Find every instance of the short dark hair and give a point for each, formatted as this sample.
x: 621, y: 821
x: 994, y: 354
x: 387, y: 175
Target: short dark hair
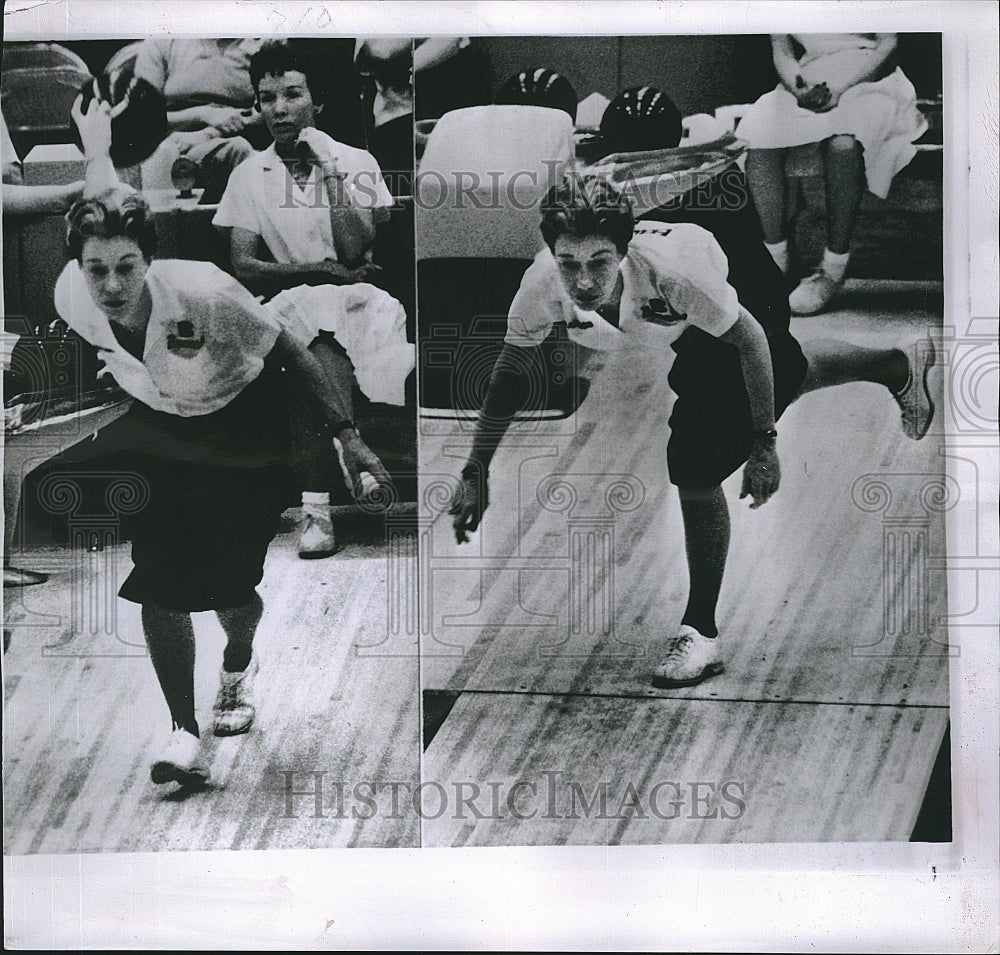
x: 277, y: 57
x: 583, y: 207
x: 118, y: 212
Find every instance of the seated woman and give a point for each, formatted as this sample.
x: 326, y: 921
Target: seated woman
x: 616, y: 287
x: 209, y: 430
x: 845, y: 94
x: 302, y: 217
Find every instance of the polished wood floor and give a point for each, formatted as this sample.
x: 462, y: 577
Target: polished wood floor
x: 541, y: 634
x: 337, y: 710
x: 537, y: 644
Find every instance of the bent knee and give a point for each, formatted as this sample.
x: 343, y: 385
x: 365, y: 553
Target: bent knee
x: 842, y: 142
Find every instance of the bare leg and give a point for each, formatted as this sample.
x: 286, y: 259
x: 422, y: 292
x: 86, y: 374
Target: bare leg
x: 706, y: 537
x: 240, y: 625
x: 339, y: 375
x: 765, y: 172
x: 844, y: 165
x: 170, y: 639
x: 833, y: 362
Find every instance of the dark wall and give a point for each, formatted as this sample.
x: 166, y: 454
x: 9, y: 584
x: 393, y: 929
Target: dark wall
x: 699, y: 73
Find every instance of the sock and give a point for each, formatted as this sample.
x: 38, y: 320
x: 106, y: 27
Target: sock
x: 316, y: 503
x: 779, y: 252
x: 835, y: 263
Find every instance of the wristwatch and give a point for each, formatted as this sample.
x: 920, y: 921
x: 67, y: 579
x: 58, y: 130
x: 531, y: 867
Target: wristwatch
x: 765, y: 434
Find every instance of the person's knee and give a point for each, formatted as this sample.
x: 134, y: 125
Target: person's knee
x: 222, y: 154
x: 699, y: 495
x: 842, y: 143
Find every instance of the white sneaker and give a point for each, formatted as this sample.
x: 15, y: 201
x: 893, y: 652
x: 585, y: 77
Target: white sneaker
x: 915, y: 400
x: 180, y: 762
x: 691, y: 658
x: 233, y: 708
x: 814, y: 293
x: 316, y: 538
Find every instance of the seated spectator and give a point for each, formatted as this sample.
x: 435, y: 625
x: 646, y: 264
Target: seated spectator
x: 206, y: 84
x: 303, y: 213
x: 845, y: 95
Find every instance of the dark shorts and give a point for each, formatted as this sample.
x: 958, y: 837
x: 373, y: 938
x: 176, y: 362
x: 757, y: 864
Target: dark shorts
x: 213, y: 489
x: 200, y: 541
x: 711, y: 428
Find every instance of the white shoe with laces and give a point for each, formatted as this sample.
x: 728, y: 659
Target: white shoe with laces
x: 691, y: 658
x: 915, y: 400
x: 234, y: 709
x: 180, y: 761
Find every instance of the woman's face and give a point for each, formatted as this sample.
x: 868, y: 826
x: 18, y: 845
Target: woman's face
x: 286, y: 104
x: 588, y: 269
x: 115, y: 270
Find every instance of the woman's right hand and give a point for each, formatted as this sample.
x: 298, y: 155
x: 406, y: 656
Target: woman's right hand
x: 226, y: 120
x: 339, y: 274
x: 95, y: 124
x: 470, y: 500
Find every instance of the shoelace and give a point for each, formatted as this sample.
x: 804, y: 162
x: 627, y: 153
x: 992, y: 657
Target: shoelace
x: 679, y: 647
x: 229, y: 694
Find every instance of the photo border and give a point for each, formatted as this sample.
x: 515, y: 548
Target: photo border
x: 823, y: 897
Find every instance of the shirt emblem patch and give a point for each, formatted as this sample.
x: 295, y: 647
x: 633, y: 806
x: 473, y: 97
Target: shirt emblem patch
x: 660, y: 312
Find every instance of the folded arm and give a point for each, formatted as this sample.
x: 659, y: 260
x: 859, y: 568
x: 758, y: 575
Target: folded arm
x: 785, y: 62
x: 249, y: 267
x: 878, y: 65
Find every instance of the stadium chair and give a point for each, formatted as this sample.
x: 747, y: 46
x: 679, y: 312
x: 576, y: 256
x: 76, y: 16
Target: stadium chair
x: 483, y: 174
x: 44, y: 56
x: 37, y: 101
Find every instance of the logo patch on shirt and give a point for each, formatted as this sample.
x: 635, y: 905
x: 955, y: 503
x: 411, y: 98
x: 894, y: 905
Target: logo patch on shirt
x: 185, y: 342
x: 660, y: 312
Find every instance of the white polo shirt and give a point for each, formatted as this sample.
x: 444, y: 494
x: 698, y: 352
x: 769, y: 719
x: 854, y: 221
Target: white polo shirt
x: 294, y: 221
x: 232, y: 335
x: 673, y: 276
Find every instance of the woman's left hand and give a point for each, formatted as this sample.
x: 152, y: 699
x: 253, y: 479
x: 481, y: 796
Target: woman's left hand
x: 762, y: 474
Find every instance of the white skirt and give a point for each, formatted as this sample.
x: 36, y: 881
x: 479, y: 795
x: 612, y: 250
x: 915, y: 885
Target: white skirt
x: 368, y: 323
x: 882, y: 116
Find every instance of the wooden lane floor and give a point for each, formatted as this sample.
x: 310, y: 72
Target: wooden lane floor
x: 337, y: 710
x: 834, y: 595
x: 525, y: 769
